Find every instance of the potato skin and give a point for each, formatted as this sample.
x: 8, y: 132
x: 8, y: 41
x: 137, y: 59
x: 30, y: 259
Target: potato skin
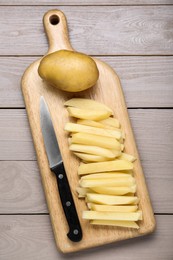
x: 68, y: 70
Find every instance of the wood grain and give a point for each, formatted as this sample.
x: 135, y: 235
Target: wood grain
x: 143, y: 79
x: 30, y: 237
x: 22, y: 192
x: 15, y: 138
x: 134, y: 30
x: 21, y: 188
x: 107, y: 90
x: 85, y: 2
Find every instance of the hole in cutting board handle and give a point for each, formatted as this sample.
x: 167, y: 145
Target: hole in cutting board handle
x: 54, y: 19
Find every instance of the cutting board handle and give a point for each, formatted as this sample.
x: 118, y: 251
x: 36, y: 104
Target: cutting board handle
x: 55, y: 25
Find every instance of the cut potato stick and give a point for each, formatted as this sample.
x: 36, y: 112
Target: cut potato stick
x: 96, y: 140
x: 89, y: 104
x: 116, y: 223
x: 119, y: 182
x: 96, y: 207
x: 114, y: 190
x: 92, y: 150
x: 90, y: 123
x: 108, y: 175
x: 86, y: 200
x: 121, y: 140
x: 89, y: 205
x: 88, y: 114
x: 82, y: 191
x: 122, y: 147
x: 97, y: 124
x: 76, y: 128
x: 119, y: 130
x: 99, y: 215
x: 116, y: 165
x: 128, y: 157
x: 111, y: 122
x: 91, y: 157
x: 111, y: 200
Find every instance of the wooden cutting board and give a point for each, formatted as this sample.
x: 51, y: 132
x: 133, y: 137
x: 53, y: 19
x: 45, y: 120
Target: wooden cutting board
x: 107, y: 90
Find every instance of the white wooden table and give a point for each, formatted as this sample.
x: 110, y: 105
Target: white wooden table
x: 136, y: 38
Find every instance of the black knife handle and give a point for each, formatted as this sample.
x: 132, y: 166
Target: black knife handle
x: 75, y: 231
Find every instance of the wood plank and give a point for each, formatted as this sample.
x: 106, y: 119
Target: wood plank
x: 30, y: 237
x: 84, y: 2
x: 21, y: 188
x: 15, y: 138
x: 137, y: 30
x: 143, y: 79
x: 151, y: 129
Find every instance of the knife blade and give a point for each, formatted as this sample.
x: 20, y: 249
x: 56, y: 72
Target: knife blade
x: 56, y: 165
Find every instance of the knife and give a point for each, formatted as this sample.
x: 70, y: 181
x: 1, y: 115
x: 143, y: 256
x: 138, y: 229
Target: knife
x: 56, y: 165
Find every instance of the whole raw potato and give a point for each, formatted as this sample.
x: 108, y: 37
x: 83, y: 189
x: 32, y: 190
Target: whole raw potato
x: 68, y: 70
